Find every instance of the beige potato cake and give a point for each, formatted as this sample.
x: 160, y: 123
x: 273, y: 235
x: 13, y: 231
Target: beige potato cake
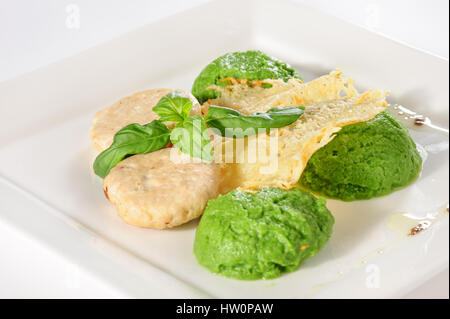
x: 151, y: 190
x: 136, y: 108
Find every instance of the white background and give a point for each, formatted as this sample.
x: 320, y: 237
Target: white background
x: 34, y: 33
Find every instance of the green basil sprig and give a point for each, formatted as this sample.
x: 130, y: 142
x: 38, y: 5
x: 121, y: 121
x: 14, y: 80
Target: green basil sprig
x: 190, y: 135
x: 132, y: 139
x: 223, y: 118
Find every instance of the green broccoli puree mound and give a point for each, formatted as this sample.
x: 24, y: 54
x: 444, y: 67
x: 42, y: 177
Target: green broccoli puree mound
x: 364, y: 160
x: 261, y: 235
x: 250, y: 65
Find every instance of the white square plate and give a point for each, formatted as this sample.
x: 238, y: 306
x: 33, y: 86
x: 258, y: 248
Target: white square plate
x: 48, y: 189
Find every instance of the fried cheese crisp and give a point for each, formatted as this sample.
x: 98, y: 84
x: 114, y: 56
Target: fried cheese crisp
x: 277, y: 159
x: 294, y: 92
x: 152, y: 190
x: 136, y: 108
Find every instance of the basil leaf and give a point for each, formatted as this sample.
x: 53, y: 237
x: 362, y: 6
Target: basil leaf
x: 192, y: 138
x: 132, y: 139
x: 174, y: 107
x: 222, y: 118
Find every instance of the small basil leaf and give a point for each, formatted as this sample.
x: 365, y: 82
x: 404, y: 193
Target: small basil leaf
x: 174, y: 107
x: 192, y: 138
x: 132, y: 139
x: 222, y: 118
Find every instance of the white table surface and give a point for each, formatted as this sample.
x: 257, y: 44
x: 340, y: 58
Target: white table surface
x: 37, y: 33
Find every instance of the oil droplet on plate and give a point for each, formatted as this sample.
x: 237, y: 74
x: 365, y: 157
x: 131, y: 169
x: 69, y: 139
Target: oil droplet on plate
x: 412, y: 119
x: 409, y: 225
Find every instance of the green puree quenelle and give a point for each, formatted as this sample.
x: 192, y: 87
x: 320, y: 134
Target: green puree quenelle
x: 364, y: 160
x: 261, y: 235
x: 249, y: 65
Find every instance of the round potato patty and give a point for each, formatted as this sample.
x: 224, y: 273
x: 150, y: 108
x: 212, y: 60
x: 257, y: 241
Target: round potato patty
x: 136, y: 108
x: 151, y: 190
